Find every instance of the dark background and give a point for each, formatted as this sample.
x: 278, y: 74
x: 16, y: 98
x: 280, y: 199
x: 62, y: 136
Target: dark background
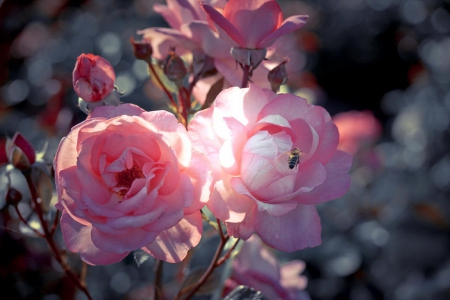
x: 388, y: 238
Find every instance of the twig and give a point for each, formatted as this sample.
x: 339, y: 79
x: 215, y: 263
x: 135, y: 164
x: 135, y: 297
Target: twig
x: 227, y: 255
x: 158, y: 279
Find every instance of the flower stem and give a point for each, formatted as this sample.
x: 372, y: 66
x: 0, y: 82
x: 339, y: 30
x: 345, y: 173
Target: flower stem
x: 207, y: 273
x: 227, y: 255
x: 246, y: 76
x: 158, y: 279
x: 49, y: 237
x: 172, y: 101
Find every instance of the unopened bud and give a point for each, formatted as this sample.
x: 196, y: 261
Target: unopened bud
x: 278, y: 75
x: 174, y: 68
x: 113, y: 99
x: 20, y: 152
x: 13, y: 196
x: 142, y: 50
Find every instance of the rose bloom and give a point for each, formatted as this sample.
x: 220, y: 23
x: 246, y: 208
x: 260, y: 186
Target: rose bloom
x: 257, y: 268
x: 357, y: 129
x: 127, y: 179
x: 93, y: 77
x: 252, y: 24
x: 248, y: 135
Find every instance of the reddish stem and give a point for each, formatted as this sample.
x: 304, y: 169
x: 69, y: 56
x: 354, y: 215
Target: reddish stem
x: 207, y: 273
x: 26, y: 222
x: 172, y: 101
x: 246, y: 76
x: 48, y: 235
x: 227, y: 255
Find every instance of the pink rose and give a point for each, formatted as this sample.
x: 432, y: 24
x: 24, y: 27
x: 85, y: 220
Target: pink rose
x: 248, y: 135
x: 127, y: 179
x: 93, y: 77
x: 257, y: 268
x: 356, y: 129
x: 252, y: 24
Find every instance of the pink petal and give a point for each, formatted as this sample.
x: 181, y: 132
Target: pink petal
x: 77, y: 238
x: 172, y: 17
x: 227, y: 30
x: 230, y: 152
x: 127, y: 222
x: 199, y: 172
x: 212, y: 45
x: 128, y: 240
x: 174, y: 132
x: 290, y: 275
x: 294, y: 231
x: 162, y: 39
x: 226, y: 204
x: 329, y: 140
x: 336, y: 183
x: 254, y: 19
x: 289, y: 25
x: 173, y: 244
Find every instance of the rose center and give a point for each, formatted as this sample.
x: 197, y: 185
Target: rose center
x: 125, y: 179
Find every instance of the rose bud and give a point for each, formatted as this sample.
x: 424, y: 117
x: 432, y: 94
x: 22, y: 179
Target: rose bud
x: 13, y: 196
x: 278, y: 75
x: 174, y: 68
x: 142, y: 50
x: 20, y: 152
x: 93, y: 77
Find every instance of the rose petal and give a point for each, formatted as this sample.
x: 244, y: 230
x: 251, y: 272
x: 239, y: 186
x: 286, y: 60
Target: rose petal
x: 135, y: 238
x: 294, y: 231
x: 337, y: 181
x: 289, y: 25
x: 78, y: 239
x: 172, y: 244
x: 265, y: 15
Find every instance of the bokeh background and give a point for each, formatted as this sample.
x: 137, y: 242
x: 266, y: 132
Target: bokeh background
x: 388, y: 238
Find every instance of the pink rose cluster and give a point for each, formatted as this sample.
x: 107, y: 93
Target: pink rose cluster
x: 130, y: 179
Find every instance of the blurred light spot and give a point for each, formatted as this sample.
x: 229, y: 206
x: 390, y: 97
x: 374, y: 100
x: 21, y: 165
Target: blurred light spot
x: 435, y: 54
x: 372, y: 231
x: 109, y: 43
x: 15, y: 92
x: 140, y: 69
x: 393, y: 101
x: 378, y: 4
x: 378, y: 268
x: 29, y: 127
x: 126, y: 83
x: 408, y: 129
x: 52, y: 87
x: 345, y: 264
x: 413, y: 159
x: 438, y: 118
x: 440, y: 173
x: 80, y: 45
x: 362, y: 176
x: 443, y: 277
x: 57, y: 50
x: 39, y: 71
x: 440, y: 19
x: 414, y: 11
x: 84, y: 24
x: 120, y: 282
x: 32, y: 38
x: 51, y: 297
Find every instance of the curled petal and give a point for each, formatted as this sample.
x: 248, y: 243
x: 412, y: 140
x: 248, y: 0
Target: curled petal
x: 294, y: 231
x: 173, y: 244
x: 78, y: 239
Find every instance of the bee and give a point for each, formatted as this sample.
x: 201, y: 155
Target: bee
x: 294, y: 158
